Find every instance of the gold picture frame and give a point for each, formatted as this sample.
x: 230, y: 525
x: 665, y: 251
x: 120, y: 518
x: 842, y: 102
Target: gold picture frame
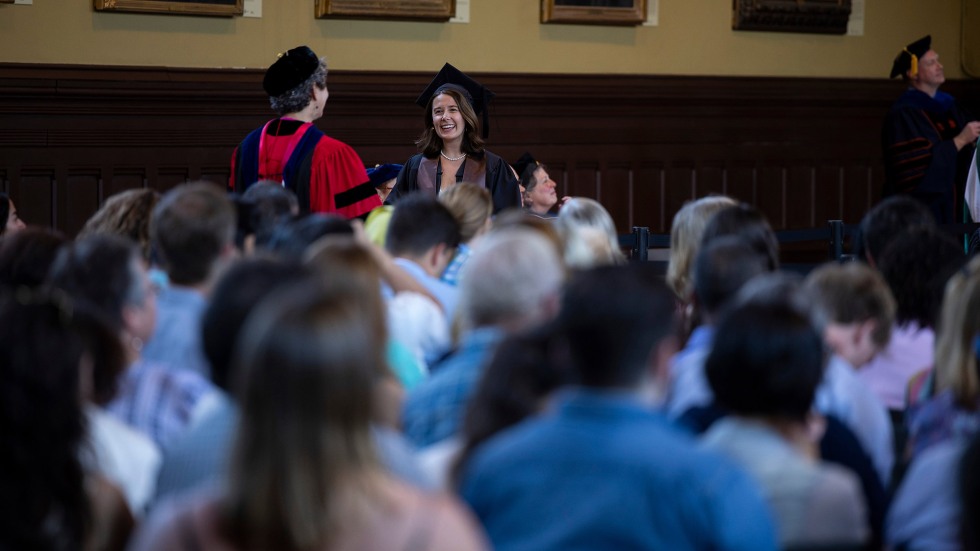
x: 411, y: 10
x: 794, y: 16
x: 594, y: 12
x: 221, y: 8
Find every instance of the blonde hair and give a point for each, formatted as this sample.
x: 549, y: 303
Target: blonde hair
x: 126, y: 213
x: 471, y: 205
x: 590, y: 234
x: 685, y: 238
x: 959, y: 325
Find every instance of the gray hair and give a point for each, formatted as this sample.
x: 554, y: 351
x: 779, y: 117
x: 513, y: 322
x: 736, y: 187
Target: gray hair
x: 509, y: 279
x: 299, y: 97
x: 590, y: 234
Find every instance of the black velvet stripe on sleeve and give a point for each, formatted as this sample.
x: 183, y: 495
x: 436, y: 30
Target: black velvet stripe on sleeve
x: 353, y: 195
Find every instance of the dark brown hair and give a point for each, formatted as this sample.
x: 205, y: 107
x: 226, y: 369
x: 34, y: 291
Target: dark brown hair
x: 430, y: 143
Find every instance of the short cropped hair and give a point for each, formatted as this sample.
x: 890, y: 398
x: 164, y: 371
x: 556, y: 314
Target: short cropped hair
x: 722, y: 267
x: 509, y: 275
x: 767, y: 359
x: 916, y: 264
x: 613, y: 318
x: 191, y: 226
x: 853, y: 293
x: 749, y: 224
x: 886, y: 221
x: 419, y: 223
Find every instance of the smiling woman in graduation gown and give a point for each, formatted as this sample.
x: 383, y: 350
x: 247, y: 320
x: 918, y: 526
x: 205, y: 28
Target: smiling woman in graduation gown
x: 326, y: 174
x: 452, y: 144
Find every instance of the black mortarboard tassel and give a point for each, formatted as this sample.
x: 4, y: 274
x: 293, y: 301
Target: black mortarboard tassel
x: 452, y: 78
x: 290, y: 70
x: 908, y: 58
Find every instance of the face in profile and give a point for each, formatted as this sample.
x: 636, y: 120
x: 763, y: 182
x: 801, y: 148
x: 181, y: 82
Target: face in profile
x: 542, y: 195
x: 385, y: 188
x: 14, y: 223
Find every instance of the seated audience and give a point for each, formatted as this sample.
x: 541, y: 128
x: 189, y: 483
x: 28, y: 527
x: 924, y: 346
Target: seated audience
x: 270, y: 205
x: 472, y: 206
x: 107, y: 272
x: 292, y: 238
x: 765, y: 365
x: 26, y: 256
x: 604, y: 470
x: 589, y: 234
x: 686, y: 230
x: 916, y: 265
x: 126, y: 213
x: 193, y: 229
x: 510, y: 284
x: 50, y: 499
x: 423, y: 236
x: 856, y: 310
x: 721, y: 268
x: 948, y: 405
x: 304, y: 473
x: 884, y: 222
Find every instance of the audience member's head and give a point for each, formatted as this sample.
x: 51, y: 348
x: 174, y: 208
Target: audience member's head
x: 193, y: 227
x: 750, y: 225
x: 886, y: 221
x: 619, y: 328
x: 303, y: 455
x: 126, y: 213
x: 519, y: 218
x: 766, y: 361
x: 26, y: 256
x: 292, y: 239
x: 916, y: 264
x: 423, y: 230
x: 685, y: 239
x: 41, y: 351
x: 512, y: 281
x: 472, y: 206
x: 235, y: 295
x: 590, y: 234
x: 271, y: 205
x: 721, y: 268
x: 8, y: 215
x: 855, y: 307
x: 107, y: 273
x: 957, y: 337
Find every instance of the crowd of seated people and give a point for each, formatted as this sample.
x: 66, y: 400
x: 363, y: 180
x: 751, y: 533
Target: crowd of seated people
x: 199, y: 370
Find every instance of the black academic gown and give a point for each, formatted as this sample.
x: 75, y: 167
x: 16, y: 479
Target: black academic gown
x: 425, y: 175
x: 919, y: 153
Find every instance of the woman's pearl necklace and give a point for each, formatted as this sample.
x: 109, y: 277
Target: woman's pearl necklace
x: 448, y: 158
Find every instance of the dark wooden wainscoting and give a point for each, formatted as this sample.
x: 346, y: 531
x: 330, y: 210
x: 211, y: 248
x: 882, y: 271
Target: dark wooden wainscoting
x: 802, y: 150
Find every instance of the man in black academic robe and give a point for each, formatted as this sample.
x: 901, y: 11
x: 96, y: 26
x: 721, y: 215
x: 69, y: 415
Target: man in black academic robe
x: 927, y: 139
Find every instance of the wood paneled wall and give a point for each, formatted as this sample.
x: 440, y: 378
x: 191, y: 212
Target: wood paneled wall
x: 802, y: 150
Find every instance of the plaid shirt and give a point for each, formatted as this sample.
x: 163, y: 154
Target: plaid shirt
x: 434, y: 409
x: 160, y: 401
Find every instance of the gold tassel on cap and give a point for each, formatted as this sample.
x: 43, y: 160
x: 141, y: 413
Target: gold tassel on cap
x: 914, y: 66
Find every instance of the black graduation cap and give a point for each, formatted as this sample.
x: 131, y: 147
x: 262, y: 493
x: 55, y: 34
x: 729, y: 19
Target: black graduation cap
x: 290, y: 70
x: 382, y: 173
x: 451, y: 78
x: 525, y: 161
x: 908, y: 58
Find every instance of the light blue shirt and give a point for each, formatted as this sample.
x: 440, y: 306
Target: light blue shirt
x: 176, y: 341
x: 446, y: 294
x: 603, y: 472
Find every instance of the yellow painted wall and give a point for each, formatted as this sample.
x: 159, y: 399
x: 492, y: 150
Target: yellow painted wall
x: 694, y: 37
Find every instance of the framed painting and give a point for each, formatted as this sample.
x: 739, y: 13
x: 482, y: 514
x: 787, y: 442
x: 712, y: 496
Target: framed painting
x: 6, y: 1
x: 795, y: 16
x: 417, y: 10
x: 594, y: 12
x: 226, y: 8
